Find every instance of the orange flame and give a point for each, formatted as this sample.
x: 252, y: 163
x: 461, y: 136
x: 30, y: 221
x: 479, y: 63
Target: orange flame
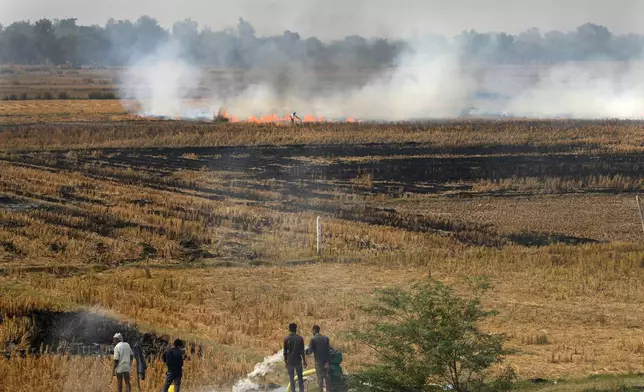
x: 275, y: 119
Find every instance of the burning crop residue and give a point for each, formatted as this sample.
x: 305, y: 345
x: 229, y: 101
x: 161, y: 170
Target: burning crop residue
x: 275, y: 119
x: 272, y: 118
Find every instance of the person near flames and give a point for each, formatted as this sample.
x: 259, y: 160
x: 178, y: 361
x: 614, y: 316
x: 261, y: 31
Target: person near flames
x: 173, y: 358
x: 320, y: 347
x: 294, y: 356
x: 293, y: 117
x: 122, y: 363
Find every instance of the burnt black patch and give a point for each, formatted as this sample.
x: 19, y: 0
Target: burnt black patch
x: 82, y: 333
x: 544, y: 239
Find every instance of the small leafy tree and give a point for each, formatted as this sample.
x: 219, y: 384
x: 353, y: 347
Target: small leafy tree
x: 426, y: 337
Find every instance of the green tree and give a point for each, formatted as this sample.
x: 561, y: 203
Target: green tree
x: 186, y: 33
x: 18, y: 44
x: 425, y: 337
x: 149, y: 34
x: 47, y: 45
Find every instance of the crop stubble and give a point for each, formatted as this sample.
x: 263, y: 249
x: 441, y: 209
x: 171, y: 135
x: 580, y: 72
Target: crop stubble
x: 144, y: 213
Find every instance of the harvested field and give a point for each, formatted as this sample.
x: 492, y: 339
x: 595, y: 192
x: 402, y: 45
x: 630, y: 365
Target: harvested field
x: 207, y: 231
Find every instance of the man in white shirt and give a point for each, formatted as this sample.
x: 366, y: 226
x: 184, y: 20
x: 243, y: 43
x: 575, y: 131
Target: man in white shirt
x: 122, y: 362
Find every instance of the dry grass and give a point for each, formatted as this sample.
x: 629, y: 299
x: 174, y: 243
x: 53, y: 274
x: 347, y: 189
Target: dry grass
x: 24, y: 112
x: 69, y: 218
x: 534, y: 185
x: 115, y: 127
x: 41, y: 82
x: 79, y: 374
x: 588, y: 307
x: 214, y: 243
x: 592, y: 216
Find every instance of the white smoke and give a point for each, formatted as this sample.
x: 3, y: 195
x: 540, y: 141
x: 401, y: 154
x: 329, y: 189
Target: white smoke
x: 424, y: 85
x: 420, y: 89
x: 586, y: 92
x: 162, y: 84
x: 425, y: 82
x: 261, y: 369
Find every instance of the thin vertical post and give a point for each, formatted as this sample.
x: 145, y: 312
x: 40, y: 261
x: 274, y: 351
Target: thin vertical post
x: 319, y: 236
x: 639, y: 206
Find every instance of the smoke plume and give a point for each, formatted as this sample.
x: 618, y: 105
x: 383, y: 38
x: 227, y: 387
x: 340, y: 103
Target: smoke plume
x: 425, y: 81
x: 421, y: 84
x: 261, y: 369
x: 586, y: 92
x: 161, y: 84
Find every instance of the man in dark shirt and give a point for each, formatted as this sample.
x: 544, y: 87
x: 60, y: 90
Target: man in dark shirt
x: 321, y: 348
x: 173, y: 358
x: 294, y: 357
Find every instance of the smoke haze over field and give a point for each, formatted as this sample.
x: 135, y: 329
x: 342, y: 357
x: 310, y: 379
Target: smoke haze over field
x: 583, y: 92
x: 425, y: 81
x: 435, y: 72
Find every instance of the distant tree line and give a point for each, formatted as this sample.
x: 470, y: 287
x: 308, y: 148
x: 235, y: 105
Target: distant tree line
x: 64, y: 42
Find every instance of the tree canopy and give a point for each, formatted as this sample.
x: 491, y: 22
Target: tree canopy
x: 120, y: 42
x: 424, y: 338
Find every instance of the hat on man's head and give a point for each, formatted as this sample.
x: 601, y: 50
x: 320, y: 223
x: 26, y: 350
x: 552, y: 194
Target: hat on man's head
x: 118, y: 336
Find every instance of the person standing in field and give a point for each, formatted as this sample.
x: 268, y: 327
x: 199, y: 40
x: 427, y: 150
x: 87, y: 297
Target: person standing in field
x: 122, y: 363
x: 320, y: 347
x: 294, y: 357
x: 293, y: 117
x: 173, y: 358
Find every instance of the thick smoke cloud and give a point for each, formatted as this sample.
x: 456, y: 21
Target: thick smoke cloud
x: 530, y: 74
x: 425, y: 81
x: 161, y: 83
x: 429, y: 78
x: 587, y: 92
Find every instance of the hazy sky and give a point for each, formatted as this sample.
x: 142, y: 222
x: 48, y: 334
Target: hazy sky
x: 337, y: 18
